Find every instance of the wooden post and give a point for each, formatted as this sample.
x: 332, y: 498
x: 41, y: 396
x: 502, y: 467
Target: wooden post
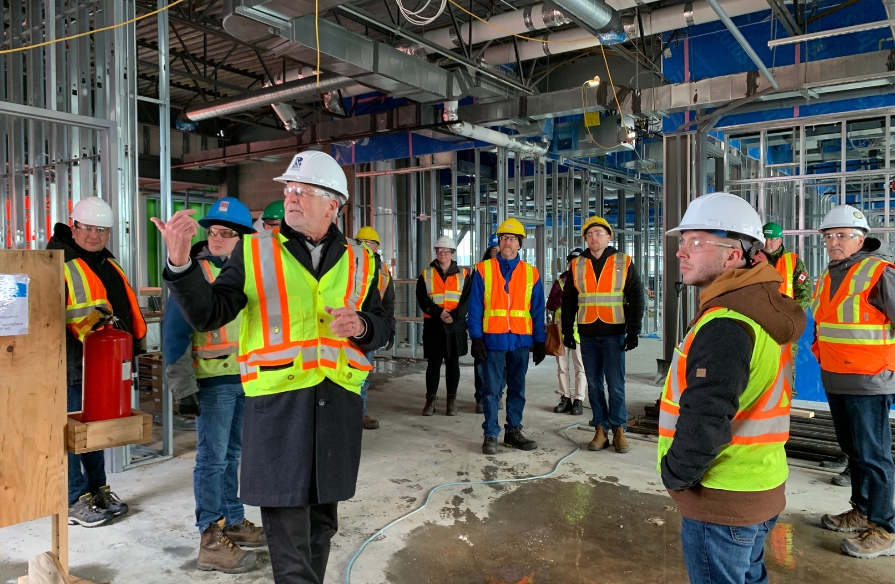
x: 33, y: 463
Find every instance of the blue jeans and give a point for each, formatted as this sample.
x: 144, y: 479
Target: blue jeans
x: 863, y: 432
x: 722, y: 554
x: 219, y: 433
x: 363, y: 388
x: 605, y: 356
x: 504, y: 367
x: 93, y: 475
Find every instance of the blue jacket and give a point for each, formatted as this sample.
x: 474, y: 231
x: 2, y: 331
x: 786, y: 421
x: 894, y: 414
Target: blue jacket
x: 505, y: 341
x: 177, y: 346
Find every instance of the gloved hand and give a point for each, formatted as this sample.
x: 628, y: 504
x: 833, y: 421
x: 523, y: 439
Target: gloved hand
x: 391, y: 342
x: 539, y: 351
x: 478, y: 350
x: 631, y: 341
x: 569, y: 342
x: 188, y: 406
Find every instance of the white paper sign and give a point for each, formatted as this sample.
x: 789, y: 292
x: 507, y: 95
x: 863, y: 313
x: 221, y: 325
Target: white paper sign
x: 13, y: 304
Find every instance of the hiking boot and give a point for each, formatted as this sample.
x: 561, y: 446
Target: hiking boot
x: 109, y: 501
x: 85, y: 513
x: 370, y: 423
x: 565, y: 405
x: 600, y: 440
x: 451, y: 409
x: 618, y: 440
x: 246, y: 533
x: 218, y: 552
x: 429, y: 409
x: 872, y: 543
x: 851, y: 520
x: 843, y: 479
x: 514, y: 439
x: 577, y: 408
x: 478, y: 407
x: 489, y: 446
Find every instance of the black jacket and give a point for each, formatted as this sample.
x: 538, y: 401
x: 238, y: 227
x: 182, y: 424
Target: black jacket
x: 388, y: 297
x: 116, y: 289
x: 440, y: 339
x: 299, y: 447
x: 634, y: 303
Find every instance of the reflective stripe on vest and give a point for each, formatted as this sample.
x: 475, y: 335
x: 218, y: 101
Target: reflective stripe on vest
x: 786, y: 265
x: 754, y: 459
x: 285, y: 340
x: 507, y: 311
x: 385, y: 276
x: 214, y: 352
x: 444, y: 293
x: 86, y: 292
x: 853, y: 336
x: 602, y: 299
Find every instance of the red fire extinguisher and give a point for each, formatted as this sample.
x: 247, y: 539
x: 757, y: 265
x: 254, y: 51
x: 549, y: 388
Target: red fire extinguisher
x: 108, y: 354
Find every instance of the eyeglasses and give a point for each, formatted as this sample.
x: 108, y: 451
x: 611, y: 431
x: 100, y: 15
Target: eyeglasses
x: 443, y: 250
x: 595, y: 233
x: 225, y: 233
x: 370, y: 242
x: 508, y: 237
x: 307, y: 191
x: 697, y: 245
x: 829, y: 237
x: 92, y: 229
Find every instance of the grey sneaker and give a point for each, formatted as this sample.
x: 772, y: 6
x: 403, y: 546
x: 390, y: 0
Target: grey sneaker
x: 85, y: 513
x: 105, y: 499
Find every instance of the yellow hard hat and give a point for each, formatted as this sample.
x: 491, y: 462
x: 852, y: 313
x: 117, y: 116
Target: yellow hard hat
x: 367, y: 232
x: 512, y: 226
x: 595, y: 220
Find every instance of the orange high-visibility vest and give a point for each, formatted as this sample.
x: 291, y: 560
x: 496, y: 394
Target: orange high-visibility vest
x: 86, y: 291
x: 444, y: 293
x: 786, y: 265
x: 852, y: 335
x: 507, y: 311
x: 602, y: 299
x: 754, y: 459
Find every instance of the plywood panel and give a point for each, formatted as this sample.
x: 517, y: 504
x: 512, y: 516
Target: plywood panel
x: 32, y: 395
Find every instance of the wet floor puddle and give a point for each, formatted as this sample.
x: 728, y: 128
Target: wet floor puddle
x: 552, y: 531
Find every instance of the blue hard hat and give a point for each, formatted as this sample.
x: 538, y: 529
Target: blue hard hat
x: 231, y: 213
x: 493, y: 241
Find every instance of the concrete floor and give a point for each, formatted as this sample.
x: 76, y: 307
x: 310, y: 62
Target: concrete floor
x: 603, y: 517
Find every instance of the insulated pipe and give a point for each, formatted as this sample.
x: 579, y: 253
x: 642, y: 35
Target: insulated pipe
x: 523, y: 21
x: 743, y: 42
x: 291, y: 120
x: 487, y: 134
x: 595, y: 16
x: 266, y: 96
x: 661, y: 20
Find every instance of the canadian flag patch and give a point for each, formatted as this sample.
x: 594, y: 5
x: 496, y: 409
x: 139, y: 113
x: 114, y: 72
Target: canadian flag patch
x: 802, y: 277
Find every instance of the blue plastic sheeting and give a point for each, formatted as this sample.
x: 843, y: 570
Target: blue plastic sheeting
x: 392, y: 146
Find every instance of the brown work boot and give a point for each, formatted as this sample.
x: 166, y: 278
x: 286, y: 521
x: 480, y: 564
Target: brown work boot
x: 431, y: 401
x: 851, y: 520
x: 600, y: 440
x: 619, y: 441
x: 451, y: 406
x: 872, y: 543
x: 218, y: 552
x: 370, y: 423
x: 246, y: 533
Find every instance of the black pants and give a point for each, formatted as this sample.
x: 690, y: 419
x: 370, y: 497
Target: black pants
x: 298, y: 539
x: 451, y: 374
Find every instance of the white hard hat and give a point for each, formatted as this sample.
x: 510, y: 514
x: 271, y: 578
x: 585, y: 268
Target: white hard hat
x: 445, y: 241
x: 92, y: 211
x: 844, y: 216
x: 318, y: 169
x: 721, y: 212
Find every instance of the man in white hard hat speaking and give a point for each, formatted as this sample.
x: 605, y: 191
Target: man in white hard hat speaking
x: 854, y: 308
x: 93, y: 279
x: 442, y: 292
x: 310, y: 310
x: 724, y: 411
